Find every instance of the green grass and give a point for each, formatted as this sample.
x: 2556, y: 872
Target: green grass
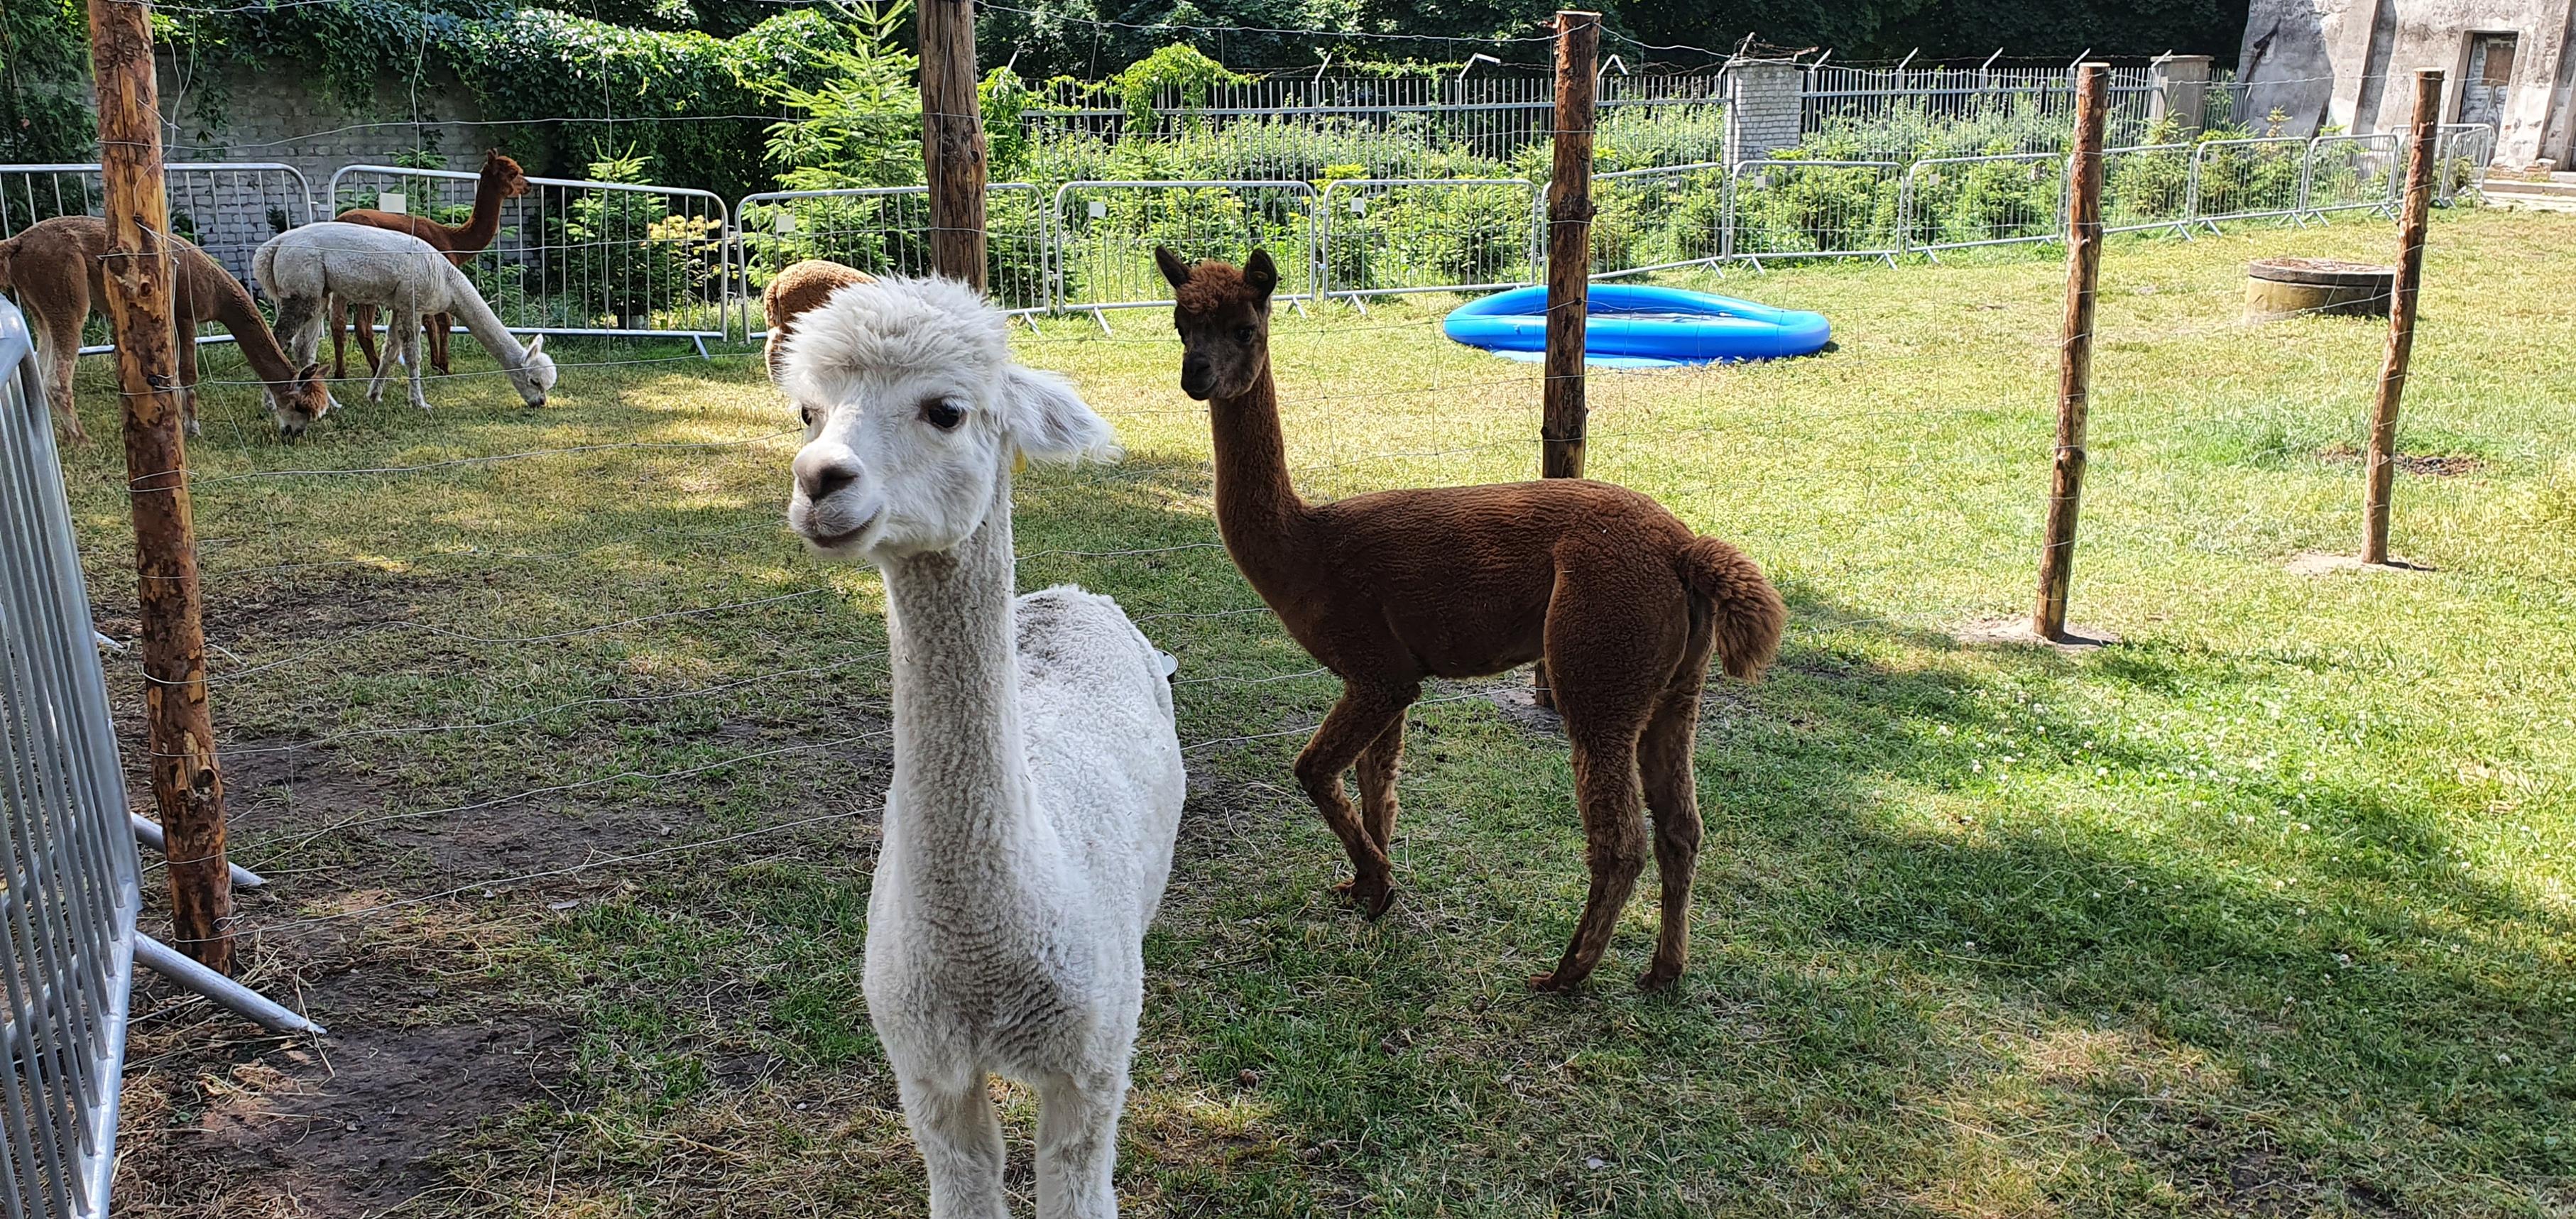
x: 2270, y: 908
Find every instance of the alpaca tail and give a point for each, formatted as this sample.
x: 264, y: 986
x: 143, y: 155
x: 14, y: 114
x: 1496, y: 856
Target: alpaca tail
x: 1749, y: 611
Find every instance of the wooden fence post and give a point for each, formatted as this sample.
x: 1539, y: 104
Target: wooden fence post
x: 187, y: 788
x: 952, y: 139
x: 1569, y: 262
x: 2380, y: 467
x: 2075, y: 352
x: 1569, y: 245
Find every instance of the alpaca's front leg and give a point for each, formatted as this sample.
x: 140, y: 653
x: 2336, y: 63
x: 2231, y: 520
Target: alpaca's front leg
x: 961, y: 1145
x: 1078, y: 1146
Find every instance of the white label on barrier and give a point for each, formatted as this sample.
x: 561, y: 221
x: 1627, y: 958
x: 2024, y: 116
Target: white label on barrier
x: 1099, y: 209
x: 392, y: 201
x: 786, y: 223
x: 1359, y: 206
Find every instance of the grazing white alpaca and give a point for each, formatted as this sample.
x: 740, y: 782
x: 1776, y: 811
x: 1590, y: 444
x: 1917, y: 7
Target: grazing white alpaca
x: 302, y: 268
x: 1037, y: 773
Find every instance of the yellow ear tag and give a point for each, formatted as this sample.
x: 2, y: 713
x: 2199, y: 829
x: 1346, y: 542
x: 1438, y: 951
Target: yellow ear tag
x: 1019, y: 462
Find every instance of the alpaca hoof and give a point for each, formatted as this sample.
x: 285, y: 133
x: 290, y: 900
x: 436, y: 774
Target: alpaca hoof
x: 1546, y: 983
x: 1373, y: 898
x: 1658, y: 978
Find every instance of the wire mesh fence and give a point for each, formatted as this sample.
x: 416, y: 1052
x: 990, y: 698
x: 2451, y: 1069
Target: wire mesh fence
x: 2461, y: 152
x: 573, y: 256
x: 2039, y: 100
x: 69, y: 885
x: 1384, y: 236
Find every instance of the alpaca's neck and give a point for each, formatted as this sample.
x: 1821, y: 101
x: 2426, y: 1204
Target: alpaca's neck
x: 961, y: 809
x: 222, y: 297
x: 485, y: 224
x: 468, y: 305
x: 1257, y: 508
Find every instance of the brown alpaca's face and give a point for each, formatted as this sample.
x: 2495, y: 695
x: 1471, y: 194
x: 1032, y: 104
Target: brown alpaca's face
x: 297, y: 404
x: 1223, y: 315
x: 501, y: 169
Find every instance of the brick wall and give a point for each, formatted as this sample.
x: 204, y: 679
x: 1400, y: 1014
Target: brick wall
x: 1764, y: 106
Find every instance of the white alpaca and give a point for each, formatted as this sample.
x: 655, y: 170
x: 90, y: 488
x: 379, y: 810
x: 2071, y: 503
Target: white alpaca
x: 1037, y: 772
x: 302, y: 268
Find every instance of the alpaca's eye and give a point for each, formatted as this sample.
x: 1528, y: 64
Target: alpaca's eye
x: 807, y: 410
x: 1243, y: 334
x: 942, y: 413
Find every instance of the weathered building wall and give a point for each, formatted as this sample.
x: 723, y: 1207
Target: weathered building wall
x: 2351, y: 64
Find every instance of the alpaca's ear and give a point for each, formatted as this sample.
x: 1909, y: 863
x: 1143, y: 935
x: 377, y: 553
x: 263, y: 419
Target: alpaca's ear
x: 536, y: 344
x: 1047, y: 421
x: 1173, y: 268
x: 1260, y: 274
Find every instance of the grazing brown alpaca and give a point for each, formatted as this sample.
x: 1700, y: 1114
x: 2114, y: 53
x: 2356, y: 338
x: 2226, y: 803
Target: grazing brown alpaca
x: 1623, y: 602
x: 802, y: 286
x: 55, y: 270
x: 501, y: 180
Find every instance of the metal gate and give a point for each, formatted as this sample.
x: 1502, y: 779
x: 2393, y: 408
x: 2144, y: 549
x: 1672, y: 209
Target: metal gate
x: 2246, y: 179
x: 2460, y: 155
x: 2351, y: 173
x: 885, y: 230
x: 2146, y: 187
x: 68, y: 879
x: 1658, y: 219
x: 1105, y: 234
x: 1957, y: 203
x: 228, y: 208
x: 1383, y: 236
x: 575, y: 256
x: 1793, y: 208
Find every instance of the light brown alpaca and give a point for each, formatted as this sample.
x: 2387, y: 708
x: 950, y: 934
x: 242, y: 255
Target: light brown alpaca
x: 800, y: 287
x: 55, y: 269
x: 501, y: 180
x: 1619, y: 598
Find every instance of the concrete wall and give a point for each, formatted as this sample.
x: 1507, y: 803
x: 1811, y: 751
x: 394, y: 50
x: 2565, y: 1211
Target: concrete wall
x: 273, y: 114
x: 2351, y: 63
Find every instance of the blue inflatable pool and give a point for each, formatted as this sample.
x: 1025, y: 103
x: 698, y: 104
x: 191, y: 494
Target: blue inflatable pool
x: 1639, y: 325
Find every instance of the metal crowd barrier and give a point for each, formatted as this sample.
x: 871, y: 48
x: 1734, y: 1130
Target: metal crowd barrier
x: 573, y: 256
x: 69, y: 874
x: 228, y: 208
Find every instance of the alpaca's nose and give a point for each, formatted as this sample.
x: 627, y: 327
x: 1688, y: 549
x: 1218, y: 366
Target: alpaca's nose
x: 821, y: 471
x: 1196, y: 380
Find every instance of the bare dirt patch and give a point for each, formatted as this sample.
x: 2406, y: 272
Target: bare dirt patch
x: 2430, y: 465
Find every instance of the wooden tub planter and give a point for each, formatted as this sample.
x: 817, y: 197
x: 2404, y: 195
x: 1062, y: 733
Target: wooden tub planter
x: 2288, y: 287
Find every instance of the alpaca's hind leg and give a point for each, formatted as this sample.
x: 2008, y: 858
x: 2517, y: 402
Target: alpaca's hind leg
x: 1664, y: 763
x: 1078, y: 1146
x: 961, y: 1145
x: 437, y: 326
x: 299, y: 327
x: 1614, y: 846
x: 58, y: 352
x: 409, y: 324
x: 362, y: 319
x: 1376, y: 770
x: 339, y: 339
x: 1672, y: 797
x: 1363, y: 714
x: 384, y: 368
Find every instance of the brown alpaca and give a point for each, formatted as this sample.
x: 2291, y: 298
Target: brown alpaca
x: 800, y: 287
x: 501, y: 180
x: 56, y: 271
x: 1618, y: 597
